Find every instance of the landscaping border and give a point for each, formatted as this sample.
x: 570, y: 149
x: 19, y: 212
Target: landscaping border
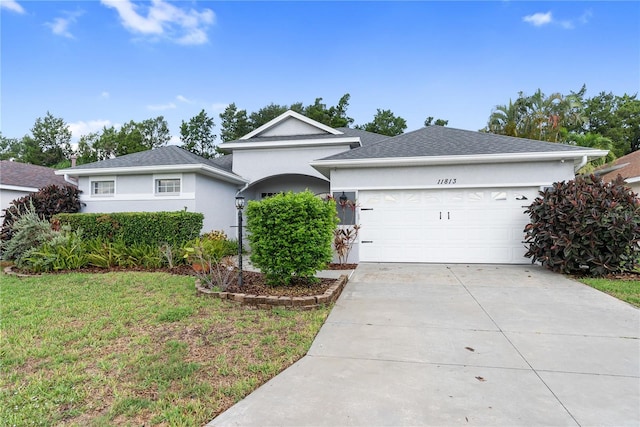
x: 270, y: 301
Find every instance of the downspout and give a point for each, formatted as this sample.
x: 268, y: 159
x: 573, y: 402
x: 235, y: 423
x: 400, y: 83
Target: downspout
x: 581, y: 164
x: 70, y: 180
x: 242, y: 189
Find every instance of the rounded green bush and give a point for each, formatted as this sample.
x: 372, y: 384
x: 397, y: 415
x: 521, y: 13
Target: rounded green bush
x: 585, y: 226
x: 290, y: 235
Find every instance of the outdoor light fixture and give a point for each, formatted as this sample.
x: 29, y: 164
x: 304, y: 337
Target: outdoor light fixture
x: 239, y: 206
x: 239, y: 202
x: 343, y: 199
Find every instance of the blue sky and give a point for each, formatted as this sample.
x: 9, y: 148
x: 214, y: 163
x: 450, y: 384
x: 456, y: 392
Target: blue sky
x: 97, y: 63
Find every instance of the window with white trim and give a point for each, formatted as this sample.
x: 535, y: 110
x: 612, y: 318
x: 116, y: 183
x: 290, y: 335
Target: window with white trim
x: 168, y: 186
x: 103, y: 188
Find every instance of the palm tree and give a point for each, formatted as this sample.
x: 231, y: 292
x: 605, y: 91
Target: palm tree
x: 505, y: 119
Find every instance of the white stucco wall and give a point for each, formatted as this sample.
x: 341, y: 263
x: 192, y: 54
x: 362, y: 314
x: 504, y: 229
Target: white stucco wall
x: 257, y: 164
x: 465, y: 176
x: 216, y: 200
x: 8, y: 196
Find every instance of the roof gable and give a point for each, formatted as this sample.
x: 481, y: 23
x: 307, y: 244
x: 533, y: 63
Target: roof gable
x: 290, y: 124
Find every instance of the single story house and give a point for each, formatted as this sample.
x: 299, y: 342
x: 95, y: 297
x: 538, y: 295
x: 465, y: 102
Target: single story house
x: 436, y: 194
x: 627, y: 166
x: 20, y: 179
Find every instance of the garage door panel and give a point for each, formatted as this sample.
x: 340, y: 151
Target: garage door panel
x: 458, y: 225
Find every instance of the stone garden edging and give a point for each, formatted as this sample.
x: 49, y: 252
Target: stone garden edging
x: 270, y: 301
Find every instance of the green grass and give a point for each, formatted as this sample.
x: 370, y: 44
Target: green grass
x: 134, y: 349
x: 625, y: 290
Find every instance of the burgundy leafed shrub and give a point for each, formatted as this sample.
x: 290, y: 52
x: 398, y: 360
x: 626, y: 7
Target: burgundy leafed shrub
x: 585, y: 226
x: 47, y: 202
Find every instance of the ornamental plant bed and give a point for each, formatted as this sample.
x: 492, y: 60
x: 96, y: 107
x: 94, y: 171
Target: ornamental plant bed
x: 254, y: 283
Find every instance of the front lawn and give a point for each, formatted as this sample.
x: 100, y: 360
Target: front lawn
x: 625, y: 290
x: 135, y: 349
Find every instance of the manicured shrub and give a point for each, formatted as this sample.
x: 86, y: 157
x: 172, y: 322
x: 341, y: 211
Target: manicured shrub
x: 585, y: 226
x: 290, y: 235
x: 46, y: 202
x: 129, y: 228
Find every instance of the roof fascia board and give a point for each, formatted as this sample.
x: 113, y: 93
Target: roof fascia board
x: 286, y: 115
x: 143, y: 170
x: 286, y: 144
x: 465, y: 159
x: 18, y: 188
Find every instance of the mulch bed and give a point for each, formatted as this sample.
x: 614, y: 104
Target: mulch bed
x: 254, y: 284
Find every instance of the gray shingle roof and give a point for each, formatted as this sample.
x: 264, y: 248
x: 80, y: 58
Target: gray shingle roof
x: 161, y: 156
x: 445, y: 141
x: 224, y: 162
x: 366, y: 137
x: 27, y: 175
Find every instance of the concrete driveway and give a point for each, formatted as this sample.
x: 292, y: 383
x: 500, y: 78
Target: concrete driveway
x: 439, y: 345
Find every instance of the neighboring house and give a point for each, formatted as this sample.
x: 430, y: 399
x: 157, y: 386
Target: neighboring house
x: 627, y: 166
x: 19, y: 179
x: 433, y: 195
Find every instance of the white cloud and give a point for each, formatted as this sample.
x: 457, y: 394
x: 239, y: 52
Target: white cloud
x: 538, y: 19
x: 83, y: 128
x: 163, y: 19
x: 105, y: 95
x: 219, y: 107
x: 11, y: 5
x: 60, y: 26
x: 184, y: 99
x: 585, y: 17
x: 161, y: 107
x: 175, y: 140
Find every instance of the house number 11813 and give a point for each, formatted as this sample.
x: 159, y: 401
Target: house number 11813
x: 447, y: 181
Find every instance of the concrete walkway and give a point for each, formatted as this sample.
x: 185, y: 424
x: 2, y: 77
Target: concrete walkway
x: 440, y: 345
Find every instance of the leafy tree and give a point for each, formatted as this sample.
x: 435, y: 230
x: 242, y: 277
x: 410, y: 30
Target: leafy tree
x: 9, y: 147
x: 234, y: 123
x: 87, y: 152
x: 334, y: 116
x: 154, y: 132
x: 129, y: 139
x: 197, y: 135
x: 385, y: 123
x: 614, y: 117
x: 48, y: 144
x: 557, y: 117
x: 439, y: 122
x: 592, y: 140
x: 268, y: 113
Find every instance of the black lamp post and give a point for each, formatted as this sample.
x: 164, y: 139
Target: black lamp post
x: 239, y: 206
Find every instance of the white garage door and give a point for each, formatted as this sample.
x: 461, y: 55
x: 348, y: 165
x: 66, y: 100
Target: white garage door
x: 456, y: 225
